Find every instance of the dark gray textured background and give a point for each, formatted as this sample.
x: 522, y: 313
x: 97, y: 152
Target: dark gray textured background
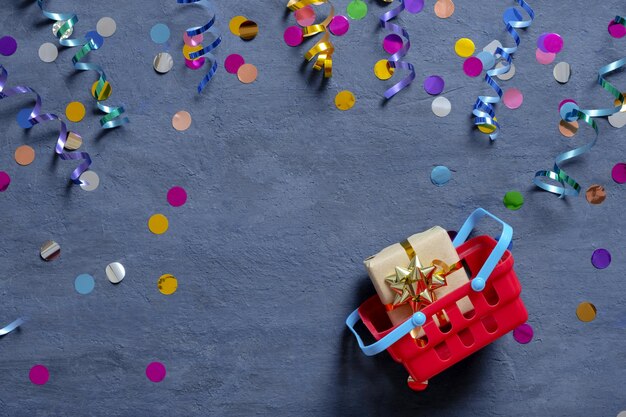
x: 287, y: 196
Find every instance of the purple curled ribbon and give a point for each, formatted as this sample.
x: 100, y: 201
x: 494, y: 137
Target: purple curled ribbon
x: 395, y: 59
x: 36, y: 117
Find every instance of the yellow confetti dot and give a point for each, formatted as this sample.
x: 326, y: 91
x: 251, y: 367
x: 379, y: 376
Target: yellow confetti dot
x: 191, y: 49
x: 158, y: 224
x: 488, y: 129
x: 234, y: 24
x: 75, y: 111
x: 167, y: 284
x: 105, y: 91
x: 344, y: 100
x: 383, y: 70
x: 464, y: 47
x: 586, y: 311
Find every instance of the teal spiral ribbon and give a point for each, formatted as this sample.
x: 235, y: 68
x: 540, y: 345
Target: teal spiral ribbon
x: 36, y: 117
x: 194, y: 31
x: 574, y: 113
x: 483, y: 110
x: 65, y: 28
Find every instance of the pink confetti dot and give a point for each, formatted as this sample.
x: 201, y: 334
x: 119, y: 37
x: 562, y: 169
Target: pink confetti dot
x: 523, y: 334
x: 155, y: 371
x: 194, y: 64
x: 619, y: 173
x: 513, y: 98
x: 472, y: 66
x: 39, y: 375
x: 392, y: 43
x: 553, y: 43
x: 339, y: 25
x: 293, y: 36
x: 177, y: 196
x: 5, y: 180
x: 617, y: 30
x: 233, y: 62
x: 544, y: 58
x: 192, y: 40
x: 305, y: 16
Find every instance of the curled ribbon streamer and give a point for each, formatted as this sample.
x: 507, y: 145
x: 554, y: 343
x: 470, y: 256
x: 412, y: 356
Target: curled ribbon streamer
x: 193, y: 31
x: 483, y: 108
x: 36, y: 117
x: 395, y: 59
x: 65, y: 29
x: 11, y: 326
x: 324, y: 48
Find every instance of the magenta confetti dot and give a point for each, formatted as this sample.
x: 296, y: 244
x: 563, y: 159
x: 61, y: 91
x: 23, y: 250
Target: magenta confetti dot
x: 553, y: 43
x: 339, y: 25
x: 567, y: 100
x: 293, y: 36
x: 392, y: 43
x: 5, y: 180
x: 8, y: 45
x: 434, y: 85
x: 39, y: 375
x: 155, y: 371
x: 233, y: 62
x: 617, y: 30
x: 601, y: 258
x: 177, y: 196
x: 544, y: 58
x: 194, y: 64
x: 472, y: 66
x: 413, y: 6
x: 619, y: 173
x: 523, y: 334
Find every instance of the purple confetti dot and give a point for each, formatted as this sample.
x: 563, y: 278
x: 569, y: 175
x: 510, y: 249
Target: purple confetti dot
x: 392, y: 43
x: 339, y: 25
x: 601, y: 258
x: 619, y: 173
x: 523, y: 334
x: 434, y: 85
x: 413, y: 6
x: 541, y: 42
x: 8, y: 45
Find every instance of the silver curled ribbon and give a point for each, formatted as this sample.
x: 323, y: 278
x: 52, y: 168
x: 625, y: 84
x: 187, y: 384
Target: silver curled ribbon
x: 194, y: 31
x: 483, y: 111
x: 36, y: 117
x: 11, y: 326
x: 395, y: 60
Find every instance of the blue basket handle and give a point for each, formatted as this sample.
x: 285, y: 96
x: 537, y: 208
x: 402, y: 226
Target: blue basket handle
x: 416, y: 320
x: 478, y: 283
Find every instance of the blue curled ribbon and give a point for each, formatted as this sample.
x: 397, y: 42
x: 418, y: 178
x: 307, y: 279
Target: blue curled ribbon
x: 483, y: 108
x: 194, y: 31
x: 36, y: 117
x: 395, y: 59
x: 11, y: 326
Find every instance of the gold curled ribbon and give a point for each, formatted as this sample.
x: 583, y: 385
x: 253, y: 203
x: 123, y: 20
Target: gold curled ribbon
x: 324, y: 48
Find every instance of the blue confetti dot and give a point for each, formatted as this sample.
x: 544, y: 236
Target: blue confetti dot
x: 440, y: 175
x: 487, y: 59
x: 160, y: 33
x: 23, y: 118
x: 97, y: 39
x: 568, y: 111
x: 84, y: 284
x: 511, y: 15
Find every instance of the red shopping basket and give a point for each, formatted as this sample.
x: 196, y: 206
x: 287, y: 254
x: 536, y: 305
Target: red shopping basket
x: 494, y: 292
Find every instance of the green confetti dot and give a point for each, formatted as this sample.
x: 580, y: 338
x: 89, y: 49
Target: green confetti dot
x: 357, y: 9
x: 513, y: 200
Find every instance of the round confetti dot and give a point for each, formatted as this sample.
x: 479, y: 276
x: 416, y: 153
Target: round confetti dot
x: 357, y: 9
x: 158, y: 224
x: 106, y: 27
x: 440, y: 175
x: 115, y: 272
x: 586, y: 311
x: 248, y: 30
x: 39, y: 375
x: 155, y: 371
x: 568, y: 111
x: 441, y: 106
x: 167, y: 284
x: 95, y: 38
x: 523, y: 334
x: 5, y: 180
x: 8, y: 45
x: 464, y: 47
x: 233, y: 62
x: 444, y: 9
x: 247, y: 73
x: 561, y: 72
x: 383, y: 69
x: 84, y: 284
x: 188, y: 50
x: 305, y: 16
x: 507, y: 75
x: 513, y: 200
x: 235, y: 23
x: 541, y: 42
x: 339, y: 25
x: 413, y: 6
x: 622, y: 414
x: 344, y: 100
x: 23, y: 118
x: 89, y: 180
x: 487, y: 59
x: 544, y: 58
x: 73, y: 141
x: 195, y: 64
x: 50, y: 250
x: 163, y: 62
x: 392, y: 43
x: 434, y: 85
x: 293, y: 36
x: 75, y: 111
x: 177, y: 196
x: 48, y: 52
x: 472, y: 67
x: 618, y: 120
x: 181, y: 120
x: 553, y: 43
x: 492, y: 46
x: 105, y: 91
x: 568, y: 129
x: 513, y: 98
x: 618, y: 173
x: 24, y: 155
x: 488, y: 128
x: 601, y: 258
x: 595, y: 194
x: 160, y: 33
x: 616, y: 30
x: 192, y: 40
